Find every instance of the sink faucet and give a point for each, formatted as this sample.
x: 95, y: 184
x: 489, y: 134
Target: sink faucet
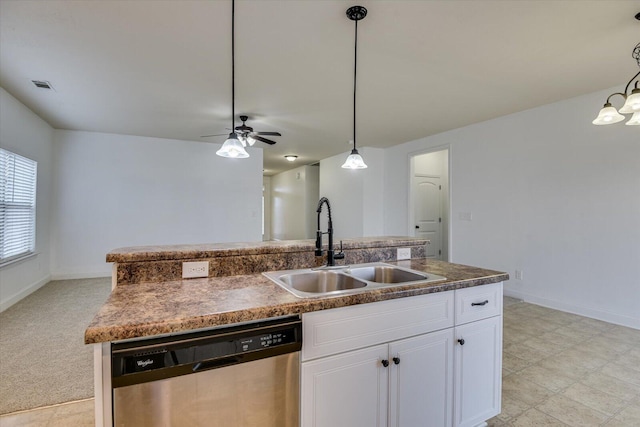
x: 331, y: 256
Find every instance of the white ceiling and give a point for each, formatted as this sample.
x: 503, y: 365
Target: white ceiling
x: 163, y: 68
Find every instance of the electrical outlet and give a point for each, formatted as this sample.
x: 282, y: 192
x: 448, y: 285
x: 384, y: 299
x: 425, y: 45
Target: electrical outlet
x: 403, y: 253
x: 195, y: 269
x: 519, y: 274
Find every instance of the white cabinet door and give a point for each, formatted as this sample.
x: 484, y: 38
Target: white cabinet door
x: 421, y: 380
x: 478, y: 371
x: 346, y: 390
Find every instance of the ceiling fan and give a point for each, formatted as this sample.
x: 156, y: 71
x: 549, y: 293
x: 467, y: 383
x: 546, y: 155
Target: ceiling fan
x: 247, y: 135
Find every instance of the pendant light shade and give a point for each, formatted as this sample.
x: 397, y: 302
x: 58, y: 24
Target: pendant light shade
x: 355, y: 161
x: 608, y: 115
x: 232, y: 148
x: 634, y: 120
x: 632, y: 104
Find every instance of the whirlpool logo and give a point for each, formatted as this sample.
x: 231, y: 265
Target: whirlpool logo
x: 144, y: 363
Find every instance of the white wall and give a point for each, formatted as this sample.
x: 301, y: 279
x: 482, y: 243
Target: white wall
x: 355, y: 195
x: 550, y: 194
x: 24, y: 133
x: 294, y: 198
x: 112, y: 191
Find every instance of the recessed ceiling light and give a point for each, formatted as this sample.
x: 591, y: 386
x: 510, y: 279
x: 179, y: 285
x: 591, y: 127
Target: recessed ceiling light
x: 291, y: 157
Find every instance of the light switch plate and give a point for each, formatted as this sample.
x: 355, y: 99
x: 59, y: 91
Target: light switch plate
x: 195, y: 269
x: 403, y: 253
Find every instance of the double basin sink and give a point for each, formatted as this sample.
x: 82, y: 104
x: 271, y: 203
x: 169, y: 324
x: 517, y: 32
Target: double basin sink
x: 307, y: 283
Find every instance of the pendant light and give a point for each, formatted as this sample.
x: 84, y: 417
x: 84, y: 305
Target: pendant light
x: 232, y: 147
x: 354, y: 161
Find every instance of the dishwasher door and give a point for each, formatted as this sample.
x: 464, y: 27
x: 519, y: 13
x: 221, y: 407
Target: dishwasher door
x: 242, y: 376
x: 262, y: 393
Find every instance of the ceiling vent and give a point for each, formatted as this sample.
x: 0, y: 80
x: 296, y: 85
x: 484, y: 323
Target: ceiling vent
x: 42, y: 84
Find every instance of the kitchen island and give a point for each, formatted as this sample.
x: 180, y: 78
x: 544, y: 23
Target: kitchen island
x: 150, y: 299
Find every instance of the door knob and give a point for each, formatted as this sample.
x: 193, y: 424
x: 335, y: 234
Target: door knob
x: 396, y: 360
x: 417, y: 226
x: 384, y: 362
x: 461, y: 341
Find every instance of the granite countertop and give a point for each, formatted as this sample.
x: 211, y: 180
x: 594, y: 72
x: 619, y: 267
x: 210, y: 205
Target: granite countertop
x: 196, y: 251
x: 148, y: 309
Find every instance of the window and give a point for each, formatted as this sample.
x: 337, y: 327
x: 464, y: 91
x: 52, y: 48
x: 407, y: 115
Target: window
x: 17, y: 205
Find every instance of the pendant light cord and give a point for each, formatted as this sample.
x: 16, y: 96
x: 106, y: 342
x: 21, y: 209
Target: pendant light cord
x: 355, y: 73
x: 233, y: 64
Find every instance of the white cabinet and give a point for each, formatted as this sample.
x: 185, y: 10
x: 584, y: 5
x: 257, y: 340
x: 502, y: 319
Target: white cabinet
x: 399, y: 363
x: 478, y: 371
x: 421, y: 382
x: 405, y: 383
x: 347, y: 390
x: 478, y: 354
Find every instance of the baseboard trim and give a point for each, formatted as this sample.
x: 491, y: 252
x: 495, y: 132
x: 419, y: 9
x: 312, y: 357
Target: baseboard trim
x: 23, y: 293
x: 70, y: 276
x: 575, y: 309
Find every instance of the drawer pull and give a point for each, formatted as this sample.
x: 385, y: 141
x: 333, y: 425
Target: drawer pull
x: 461, y: 341
x: 384, y: 362
x: 396, y: 360
x: 485, y: 302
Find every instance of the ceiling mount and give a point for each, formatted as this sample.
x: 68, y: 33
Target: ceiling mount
x: 356, y: 13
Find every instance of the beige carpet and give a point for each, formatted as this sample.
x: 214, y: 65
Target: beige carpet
x: 43, y: 359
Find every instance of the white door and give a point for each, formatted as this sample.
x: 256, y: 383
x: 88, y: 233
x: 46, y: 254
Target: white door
x: 478, y: 373
x: 428, y: 213
x: 421, y: 381
x: 347, y: 390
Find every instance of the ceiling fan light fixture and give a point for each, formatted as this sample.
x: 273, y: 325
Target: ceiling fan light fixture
x: 607, y: 116
x: 634, y: 120
x: 232, y: 148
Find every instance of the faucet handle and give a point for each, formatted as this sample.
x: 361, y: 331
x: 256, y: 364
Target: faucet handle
x: 339, y: 255
x: 318, y: 243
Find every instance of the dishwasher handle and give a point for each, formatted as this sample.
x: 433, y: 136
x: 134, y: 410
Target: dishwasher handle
x: 213, y: 364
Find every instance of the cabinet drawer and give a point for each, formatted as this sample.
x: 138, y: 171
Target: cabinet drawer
x: 478, y: 303
x: 343, y: 329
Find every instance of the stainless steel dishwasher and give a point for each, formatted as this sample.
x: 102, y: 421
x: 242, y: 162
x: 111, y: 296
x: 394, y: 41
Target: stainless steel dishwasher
x: 243, y: 376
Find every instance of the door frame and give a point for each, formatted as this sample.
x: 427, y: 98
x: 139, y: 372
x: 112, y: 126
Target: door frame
x: 411, y: 202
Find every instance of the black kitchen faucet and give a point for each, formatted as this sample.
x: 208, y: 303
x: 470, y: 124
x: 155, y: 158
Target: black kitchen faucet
x: 331, y: 256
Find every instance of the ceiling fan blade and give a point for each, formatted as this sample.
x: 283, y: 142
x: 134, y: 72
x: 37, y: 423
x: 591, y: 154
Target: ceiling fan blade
x: 268, y: 133
x: 220, y: 134
x: 265, y: 140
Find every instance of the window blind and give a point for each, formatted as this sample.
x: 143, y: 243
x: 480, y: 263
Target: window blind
x: 17, y: 205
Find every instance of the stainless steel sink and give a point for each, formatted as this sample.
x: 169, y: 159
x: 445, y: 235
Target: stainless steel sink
x: 306, y: 283
x: 381, y: 273
x: 321, y: 281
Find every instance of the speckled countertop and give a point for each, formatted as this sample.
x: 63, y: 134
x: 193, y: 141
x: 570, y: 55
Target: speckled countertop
x: 176, y: 252
x: 149, y: 309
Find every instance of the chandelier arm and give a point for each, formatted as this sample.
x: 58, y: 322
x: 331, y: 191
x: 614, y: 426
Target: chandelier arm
x: 626, y: 88
x: 617, y: 93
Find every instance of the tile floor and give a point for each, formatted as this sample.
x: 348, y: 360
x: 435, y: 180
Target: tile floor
x: 559, y: 369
